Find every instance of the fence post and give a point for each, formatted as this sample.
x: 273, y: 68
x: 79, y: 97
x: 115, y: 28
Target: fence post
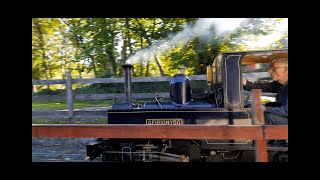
x: 258, y: 118
x: 69, y: 97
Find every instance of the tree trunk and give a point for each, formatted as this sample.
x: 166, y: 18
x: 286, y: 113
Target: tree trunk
x: 41, y: 43
x: 79, y: 70
x: 113, y: 62
x: 128, y: 36
x: 124, y: 50
x: 157, y: 60
x: 81, y: 45
x: 111, y: 49
x: 141, y: 59
x: 93, y: 66
x: 159, y: 65
x: 147, y: 70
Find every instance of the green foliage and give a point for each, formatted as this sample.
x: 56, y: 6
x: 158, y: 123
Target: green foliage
x: 97, y: 47
x: 116, y: 88
x: 44, y: 121
x: 106, y: 74
x: 47, y: 105
x: 255, y: 28
x: 51, y: 92
x: 100, y: 88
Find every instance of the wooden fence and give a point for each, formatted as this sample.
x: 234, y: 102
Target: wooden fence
x: 69, y: 81
x: 70, y: 96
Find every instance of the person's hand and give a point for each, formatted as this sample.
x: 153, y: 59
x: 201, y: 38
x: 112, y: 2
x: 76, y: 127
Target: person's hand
x: 244, y: 81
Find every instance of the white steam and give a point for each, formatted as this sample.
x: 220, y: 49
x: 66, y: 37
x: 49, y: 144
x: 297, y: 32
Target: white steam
x: 205, y: 29
x: 269, y: 40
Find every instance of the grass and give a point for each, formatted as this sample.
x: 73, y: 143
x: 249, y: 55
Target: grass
x: 44, y: 121
x: 265, y: 99
x: 56, y: 105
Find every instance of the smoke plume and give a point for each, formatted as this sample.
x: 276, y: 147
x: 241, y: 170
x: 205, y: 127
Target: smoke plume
x: 206, y: 29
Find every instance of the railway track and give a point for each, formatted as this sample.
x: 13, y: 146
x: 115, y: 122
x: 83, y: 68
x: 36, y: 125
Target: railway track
x: 59, y: 157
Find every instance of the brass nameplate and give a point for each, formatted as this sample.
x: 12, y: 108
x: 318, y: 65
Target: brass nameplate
x: 165, y: 121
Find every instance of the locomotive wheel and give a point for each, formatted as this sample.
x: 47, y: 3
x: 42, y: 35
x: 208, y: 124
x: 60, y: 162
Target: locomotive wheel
x: 194, y: 153
x: 186, y: 147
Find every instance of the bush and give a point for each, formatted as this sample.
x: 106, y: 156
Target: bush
x: 117, y: 88
x: 51, y: 92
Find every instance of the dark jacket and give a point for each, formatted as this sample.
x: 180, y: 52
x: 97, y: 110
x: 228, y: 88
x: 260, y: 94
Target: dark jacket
x: 274, y: 87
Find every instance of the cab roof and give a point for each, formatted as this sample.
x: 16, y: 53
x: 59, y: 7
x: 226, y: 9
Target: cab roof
x: 260, y: 56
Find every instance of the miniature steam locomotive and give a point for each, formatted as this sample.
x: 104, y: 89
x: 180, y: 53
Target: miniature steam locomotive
x: 223, y: 103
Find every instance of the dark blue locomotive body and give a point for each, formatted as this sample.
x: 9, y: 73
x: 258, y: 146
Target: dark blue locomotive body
x: 222, y: 104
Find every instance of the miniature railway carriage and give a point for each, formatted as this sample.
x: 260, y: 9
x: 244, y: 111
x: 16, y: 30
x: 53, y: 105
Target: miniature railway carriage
x: 223, y: 103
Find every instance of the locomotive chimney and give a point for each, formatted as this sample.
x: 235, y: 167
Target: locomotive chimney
x: 127, y: 80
